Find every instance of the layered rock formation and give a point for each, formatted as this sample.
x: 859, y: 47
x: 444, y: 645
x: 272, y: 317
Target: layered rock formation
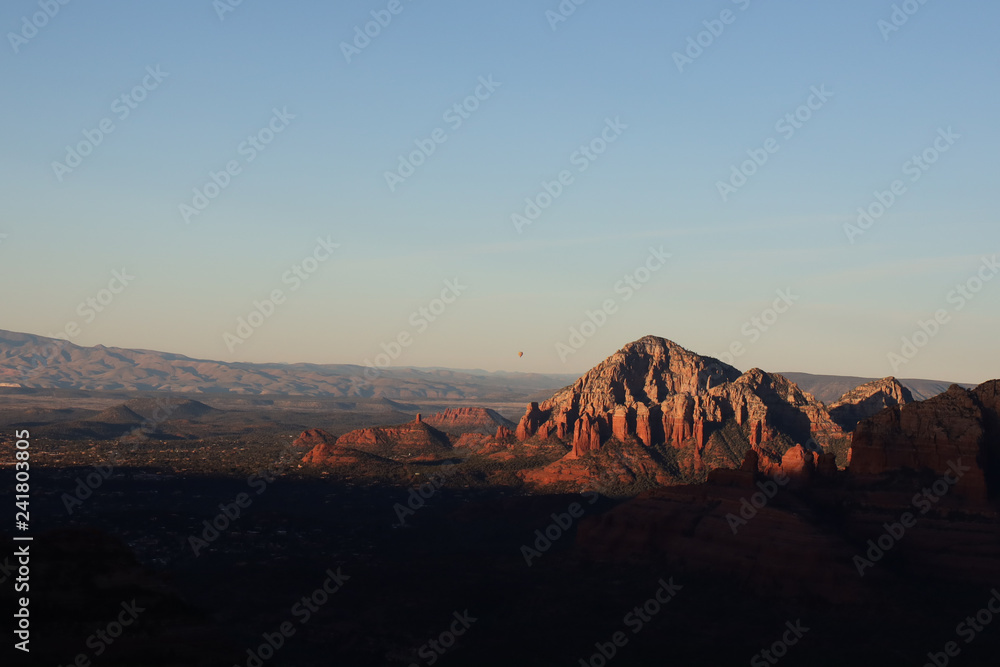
x: 616, y: 469
x: 503, y: 433
x: 415, y: 441
x: 868, y: 400
x: 329, y: 454
x: 459, y: 421
x: 313, y: 437
x: 656, y: 392
x: 654, y: 413
x: 958, y: 425
x: 530, y: 422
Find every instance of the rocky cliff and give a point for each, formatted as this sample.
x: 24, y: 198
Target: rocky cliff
x: 415, y: 441
x: 934, y: 435
x: 656, y: 392
x: 867, y: 400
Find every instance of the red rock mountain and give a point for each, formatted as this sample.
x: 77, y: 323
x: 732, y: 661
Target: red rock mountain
x: 933, y: 434
x: 655, y: 392
x: 867, y: 400
x: 657, y: 414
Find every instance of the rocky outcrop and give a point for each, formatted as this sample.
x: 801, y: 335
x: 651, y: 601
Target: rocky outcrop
x: 645, y: 418
x: 586, y: 435
x: 959, y: 425
x: 616, y: 469
x: 458, y: 421
x: 329, y: 454
x: 769, y: 404
x: 416, y: 441
x: 313, y: 437
x: 798, y: 464
x: 685, y: 416
x: 868, y: 400
x: 563, y: 422
x: 826, y: 464
x: 988, y: 396
x: 530, y: 422
x: 337, y: 456
x: 648, y: 371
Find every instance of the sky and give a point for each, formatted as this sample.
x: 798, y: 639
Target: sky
x: 472, y: 180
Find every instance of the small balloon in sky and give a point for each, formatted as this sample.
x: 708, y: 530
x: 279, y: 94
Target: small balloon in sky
x: 520, y: 354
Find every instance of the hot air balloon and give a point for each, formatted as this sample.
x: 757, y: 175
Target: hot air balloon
x: 520, y: 354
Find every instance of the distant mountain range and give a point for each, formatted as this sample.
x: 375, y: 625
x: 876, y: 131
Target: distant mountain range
x: 829, y: 388
x: 31, y: 361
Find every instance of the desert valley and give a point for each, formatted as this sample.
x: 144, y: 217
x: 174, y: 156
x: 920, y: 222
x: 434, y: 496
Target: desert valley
x: 637, y: 514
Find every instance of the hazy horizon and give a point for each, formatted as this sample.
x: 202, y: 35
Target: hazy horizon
x: 573, y: 373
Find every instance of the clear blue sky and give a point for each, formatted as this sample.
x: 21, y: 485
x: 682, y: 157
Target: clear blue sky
x: 656, y: 185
